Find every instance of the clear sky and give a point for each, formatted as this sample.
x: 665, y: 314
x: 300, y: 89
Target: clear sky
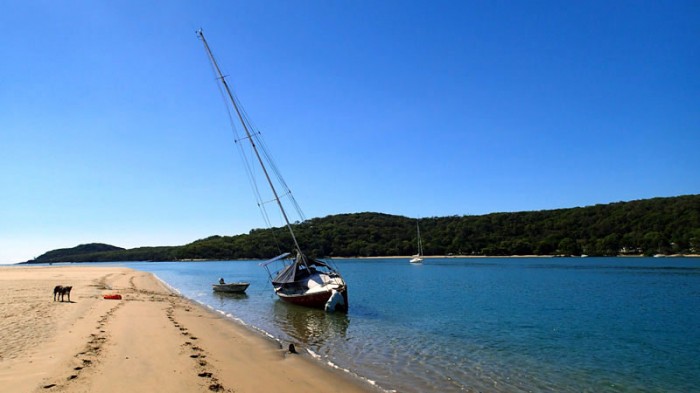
x: 112, y: 128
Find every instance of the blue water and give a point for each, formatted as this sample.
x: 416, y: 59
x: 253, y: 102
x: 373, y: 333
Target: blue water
x: 495, y: 325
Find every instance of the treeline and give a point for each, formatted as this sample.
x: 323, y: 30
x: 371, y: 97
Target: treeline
x: 644, y: 227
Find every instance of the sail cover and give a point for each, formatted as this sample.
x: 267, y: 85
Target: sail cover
x: 298, y: 270
x: 287, y: 274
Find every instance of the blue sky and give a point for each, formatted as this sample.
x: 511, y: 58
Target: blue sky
x: 112, y: 128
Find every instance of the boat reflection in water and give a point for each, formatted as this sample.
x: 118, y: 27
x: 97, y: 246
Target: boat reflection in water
x: 224, y: 297
x: 310, y: 326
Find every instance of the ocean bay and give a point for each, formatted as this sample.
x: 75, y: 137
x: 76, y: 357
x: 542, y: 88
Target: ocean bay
x: 484, y: 324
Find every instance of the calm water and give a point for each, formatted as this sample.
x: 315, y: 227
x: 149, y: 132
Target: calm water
x: 503, y: 325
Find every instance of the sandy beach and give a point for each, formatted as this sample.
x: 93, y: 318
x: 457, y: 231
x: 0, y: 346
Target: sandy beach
x: 150, y: 340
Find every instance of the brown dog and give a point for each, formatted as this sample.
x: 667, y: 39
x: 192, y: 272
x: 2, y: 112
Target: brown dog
x: 61, y: 291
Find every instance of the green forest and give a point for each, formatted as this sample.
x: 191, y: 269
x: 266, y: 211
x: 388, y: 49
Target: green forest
x: 643, y: 227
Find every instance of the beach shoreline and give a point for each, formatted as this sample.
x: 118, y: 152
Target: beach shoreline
x: 151, y: 340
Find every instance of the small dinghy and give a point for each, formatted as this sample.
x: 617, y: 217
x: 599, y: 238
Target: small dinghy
x: 234, y: 287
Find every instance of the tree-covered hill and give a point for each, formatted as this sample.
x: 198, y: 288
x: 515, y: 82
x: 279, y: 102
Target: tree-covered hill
x: 650, y: 226
x: 112, y: 253
x: 67, y: 254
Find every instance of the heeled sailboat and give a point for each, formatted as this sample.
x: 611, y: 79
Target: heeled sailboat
x: 301, y: 280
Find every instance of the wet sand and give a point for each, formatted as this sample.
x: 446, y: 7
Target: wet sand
x: 150, y: 340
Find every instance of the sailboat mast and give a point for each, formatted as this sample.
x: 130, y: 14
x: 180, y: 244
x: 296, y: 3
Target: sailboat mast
x: 420, y: 243
x: 252, y: 142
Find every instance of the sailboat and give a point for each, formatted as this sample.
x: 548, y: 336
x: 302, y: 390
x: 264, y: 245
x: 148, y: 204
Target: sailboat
x: 418, y: 258
x: 301, y: 280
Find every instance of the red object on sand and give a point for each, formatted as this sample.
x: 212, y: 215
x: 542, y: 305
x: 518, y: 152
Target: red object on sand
x: 115, y: 297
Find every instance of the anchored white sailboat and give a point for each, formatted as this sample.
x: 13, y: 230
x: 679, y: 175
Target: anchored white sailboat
x: 418, y: 258
x: 301, y: 280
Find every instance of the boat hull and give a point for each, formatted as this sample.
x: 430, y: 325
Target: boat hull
x: 313, y: 300
x: 238, y: 287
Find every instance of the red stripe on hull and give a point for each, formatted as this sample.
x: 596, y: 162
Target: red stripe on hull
x: 317, y: 300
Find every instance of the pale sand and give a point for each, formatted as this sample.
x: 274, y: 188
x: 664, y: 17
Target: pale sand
x: 150, y: 341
